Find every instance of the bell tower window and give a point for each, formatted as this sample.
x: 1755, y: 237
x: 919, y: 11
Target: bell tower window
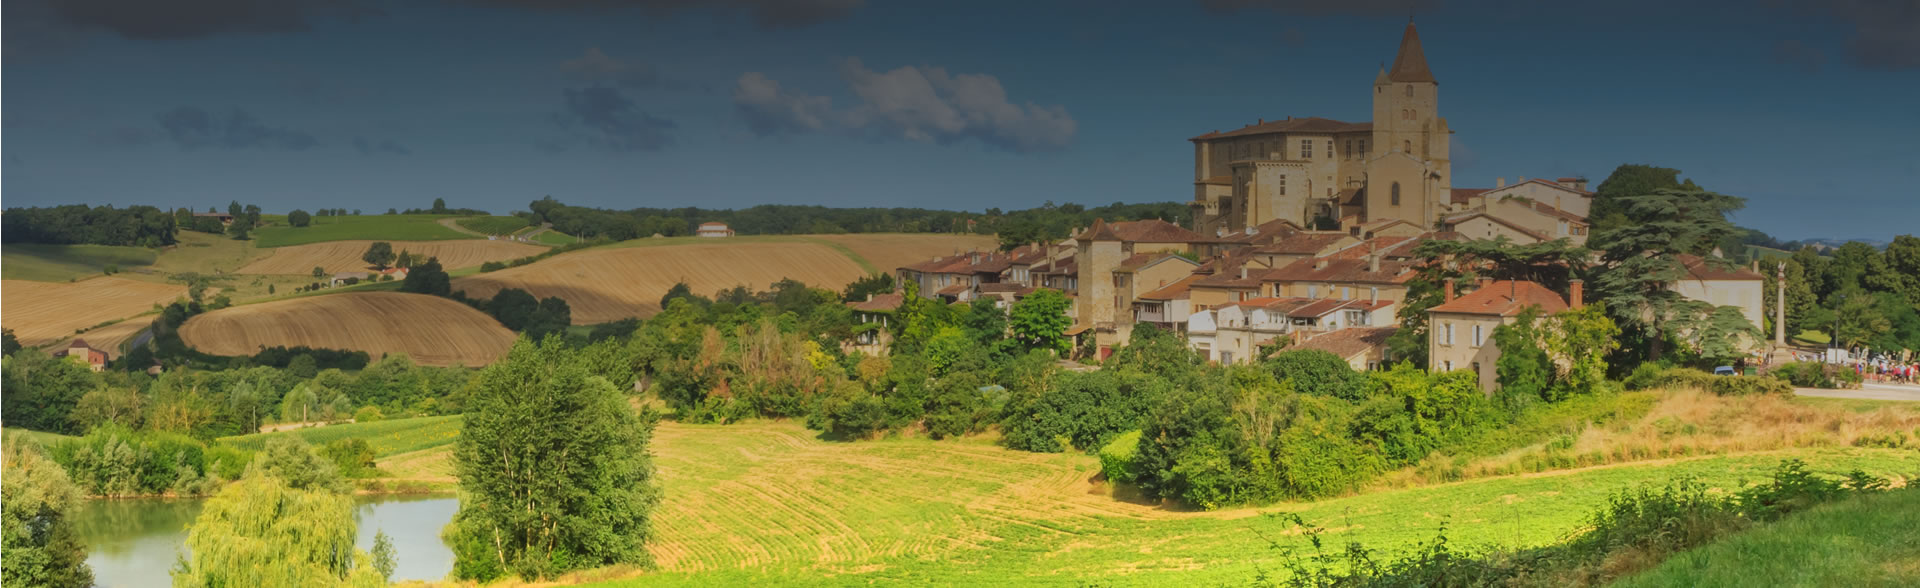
x: 1394, y: 199
x: 1409, y: 90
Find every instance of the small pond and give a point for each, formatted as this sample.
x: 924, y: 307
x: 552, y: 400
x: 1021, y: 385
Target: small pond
x: 134, y: 543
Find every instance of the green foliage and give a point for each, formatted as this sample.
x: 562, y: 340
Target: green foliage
x: 36, y: 529
x: 299, y: 218
x: 116, y: 462
x: 1040, y: 321
x: 493, y: 225
x: 352, y: 457
x: 300, y: 467
x: 387, y: 437
x: 1118, y: 457
x: 554, y: 469
x: 346, y: 227
x: 1082, y: 410
x: 42, y: 391
x: 378, y: 255
x: 142, y: 226
x: 1523, y: 370
x: 1640, y: 256
x: 429, y: 279
x: 260, y: 531
x: 1316, y: 372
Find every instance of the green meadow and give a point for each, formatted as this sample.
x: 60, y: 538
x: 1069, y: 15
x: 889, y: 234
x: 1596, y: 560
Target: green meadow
x: 385, y: 227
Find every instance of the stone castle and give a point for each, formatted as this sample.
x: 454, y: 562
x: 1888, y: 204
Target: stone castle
x: 1306, y: 169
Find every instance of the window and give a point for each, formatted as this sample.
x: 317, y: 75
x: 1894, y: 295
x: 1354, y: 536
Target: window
x: 1563, y: 226
x: 1447, y: 365
x: 1449, y: 334
x: 1409, y: 90
x: 1349, y: 149
x: 1283, y: 184
x: 1306, y: 149
x: 1394, y: 199
x: 1406, y: 146
x: 1346, y: 293
x: 1363, y: 147
x: 1313, y: 291
x: 1477, y: 339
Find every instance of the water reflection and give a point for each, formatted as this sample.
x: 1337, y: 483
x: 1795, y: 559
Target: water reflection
x: 134, y: 543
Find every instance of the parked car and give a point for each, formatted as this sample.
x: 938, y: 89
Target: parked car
x: 1725, y: 370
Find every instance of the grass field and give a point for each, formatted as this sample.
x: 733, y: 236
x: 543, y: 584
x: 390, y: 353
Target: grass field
x: 609, y: 284
x: 628, y: 278
x: 344, y: 256
x: 493, y: 225
x: 386, y: 437
x: 1863, y: 541
x: 428, y: 329
x: 44, y: 312
x: 555, y: 238
x: 770, y: 503
x: 394, y: 227
x: 42, y: 438
x: 59, y: 263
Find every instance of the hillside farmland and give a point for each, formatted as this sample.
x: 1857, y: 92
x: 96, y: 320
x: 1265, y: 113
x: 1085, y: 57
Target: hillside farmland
x: 628, y: 279
x: 430, y: 330
x: 344, y: 256
x: 43, y: 312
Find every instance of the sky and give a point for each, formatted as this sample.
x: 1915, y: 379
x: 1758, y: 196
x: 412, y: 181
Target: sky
x: 1806, y: 108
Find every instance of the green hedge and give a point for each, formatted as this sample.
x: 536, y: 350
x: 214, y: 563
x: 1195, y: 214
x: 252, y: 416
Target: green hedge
x: 1117, y: 457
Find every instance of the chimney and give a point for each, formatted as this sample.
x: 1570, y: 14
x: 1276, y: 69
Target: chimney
x: 1449, y: 290
x: 1500, y: 182
x: 974, y: 258
x: 1576, y: 297
x: 1483, y: 281
x: 869, y: 297
x: 1373, y: 263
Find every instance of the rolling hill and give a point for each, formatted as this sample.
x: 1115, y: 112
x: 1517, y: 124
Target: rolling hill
x: 430, y: 330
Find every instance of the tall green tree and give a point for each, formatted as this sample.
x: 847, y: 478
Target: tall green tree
x: 379, y: 254
x: 1899, y: 270
x: 1040, y: 321
x: 428, y: 279
x: 1641, y: 258
x: 37, y: 536
x: 554, y: 470
x: 1609, y: 209
x: 260, y: 531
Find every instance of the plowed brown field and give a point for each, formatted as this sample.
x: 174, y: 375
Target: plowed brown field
x: 344, y: 256
x: 602, y: 285
x: 43, y: 312
x: 428, y: 329
x: 109, y: 338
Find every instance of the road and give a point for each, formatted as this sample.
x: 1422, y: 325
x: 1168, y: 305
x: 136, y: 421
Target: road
x: 1868, y: 391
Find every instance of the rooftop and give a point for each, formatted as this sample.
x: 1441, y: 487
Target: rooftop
x: 1505, y: 298
x: 1349, y: 341
x: 1307, y: 125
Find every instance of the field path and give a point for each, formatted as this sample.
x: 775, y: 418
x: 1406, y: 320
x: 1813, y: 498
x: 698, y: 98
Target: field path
x: 453, y: 223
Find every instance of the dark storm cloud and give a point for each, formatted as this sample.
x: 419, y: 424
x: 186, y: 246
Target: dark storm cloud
x: 378, y: 147
x: 1323, y: 7
x: 187, y: 19
x: 608, y: 120
x: 595, y: 66
x: 766, y: 14
x: 923, y: 104
x: 195, y: 128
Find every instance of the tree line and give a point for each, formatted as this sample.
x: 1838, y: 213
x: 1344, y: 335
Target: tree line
x: 1019, y: 227
x: 79, y: 224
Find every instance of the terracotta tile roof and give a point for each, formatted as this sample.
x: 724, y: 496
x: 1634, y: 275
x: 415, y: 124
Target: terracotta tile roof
x: 1217, y: 181
x: 1505, y: 298
x: 1143, y: 260
x: 1231, y: 278
x: 879, y: 303
x: 1318, y: 308
x: 1324, y: 269
x: 1460, y: 218
x: 1349, y: 341
x: 1411, y: 64
x: 954, y: 290
x: 1282, y: 305
x: 991, y: 262
x: 1699, y: 269
x: 1549, y: 210
x: 80, y: 343
x: 1465, y: 195
x: 1153, y: 231
x: 1303, y: 243
x: 1311, y: 124
x: 1266, y: 232
x: 1177, y: 290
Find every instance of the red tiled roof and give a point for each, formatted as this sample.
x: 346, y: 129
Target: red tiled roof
x: 1465, y: 195
x: 1303, y: 243
x: 1318, y: 308
x: 1282, y: 305
x: 1179, y: 289
x: 1349, y: 341
x: 1311, y: 124
x: 1699, y: 269
x: 879, y: 303
x: 1325, y: 269
x: 1142, y: 260
x: 1411, y: 64
x: 953, y: 290
x: 1269, y: 231
x: 1153, y: 231
x: 1505, y: 298
x: 1457, y: 219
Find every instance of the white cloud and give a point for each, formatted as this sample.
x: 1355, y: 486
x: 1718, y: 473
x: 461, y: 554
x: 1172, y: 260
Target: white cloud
x: 913, y: 103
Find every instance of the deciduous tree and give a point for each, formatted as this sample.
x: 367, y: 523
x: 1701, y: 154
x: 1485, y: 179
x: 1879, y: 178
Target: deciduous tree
x: 379, y: 254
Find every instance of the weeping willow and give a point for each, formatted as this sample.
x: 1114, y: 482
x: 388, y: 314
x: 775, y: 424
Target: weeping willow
x: 260, y: 532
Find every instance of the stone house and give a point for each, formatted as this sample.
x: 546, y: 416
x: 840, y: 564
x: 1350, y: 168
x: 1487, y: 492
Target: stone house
x: 1460, y: 329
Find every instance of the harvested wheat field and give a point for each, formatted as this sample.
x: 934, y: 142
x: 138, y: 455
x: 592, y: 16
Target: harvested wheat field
x: 602, y: 285
x: 109, y: 338
x: 888, y: 251
x: 428, y: 329
x: 344, y: 256
x: 44, y: 312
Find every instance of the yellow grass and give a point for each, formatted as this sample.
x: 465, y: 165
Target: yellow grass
x: 428, y: 329
x: 602, y: 285
x: 344, y: 256
x: 888, y: 251
x: 44, y: 312
x: 109, y: 338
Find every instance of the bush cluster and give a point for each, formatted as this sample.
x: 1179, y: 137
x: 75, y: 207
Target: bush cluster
x: 114, y: 461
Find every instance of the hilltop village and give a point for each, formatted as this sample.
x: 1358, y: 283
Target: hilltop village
x: 1304, y: 237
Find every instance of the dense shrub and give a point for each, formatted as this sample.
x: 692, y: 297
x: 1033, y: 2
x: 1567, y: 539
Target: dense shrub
x: 1081, y: 410
x: 1311, y: 371
x: 1117, y: 458
x: 1750, y: 385
x: 112, y: 460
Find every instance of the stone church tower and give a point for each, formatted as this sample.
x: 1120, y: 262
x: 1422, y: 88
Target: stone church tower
x: 1409, y: 173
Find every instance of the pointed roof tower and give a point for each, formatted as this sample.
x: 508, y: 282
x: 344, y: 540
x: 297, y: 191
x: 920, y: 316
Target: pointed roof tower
x: 1411, y: 64
x: 1381, y: 80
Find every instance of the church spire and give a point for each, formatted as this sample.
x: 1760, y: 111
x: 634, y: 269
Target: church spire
x: 1381, y: 80
x: 1411, y: 64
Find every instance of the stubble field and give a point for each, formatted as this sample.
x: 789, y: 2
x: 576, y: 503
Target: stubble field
x: 344, y: 256
x: 44, y: 312
x: 430, y: 330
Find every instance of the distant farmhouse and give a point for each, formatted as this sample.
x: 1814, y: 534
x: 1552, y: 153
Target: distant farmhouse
x: 714, y: 230
x: 86, y: 355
